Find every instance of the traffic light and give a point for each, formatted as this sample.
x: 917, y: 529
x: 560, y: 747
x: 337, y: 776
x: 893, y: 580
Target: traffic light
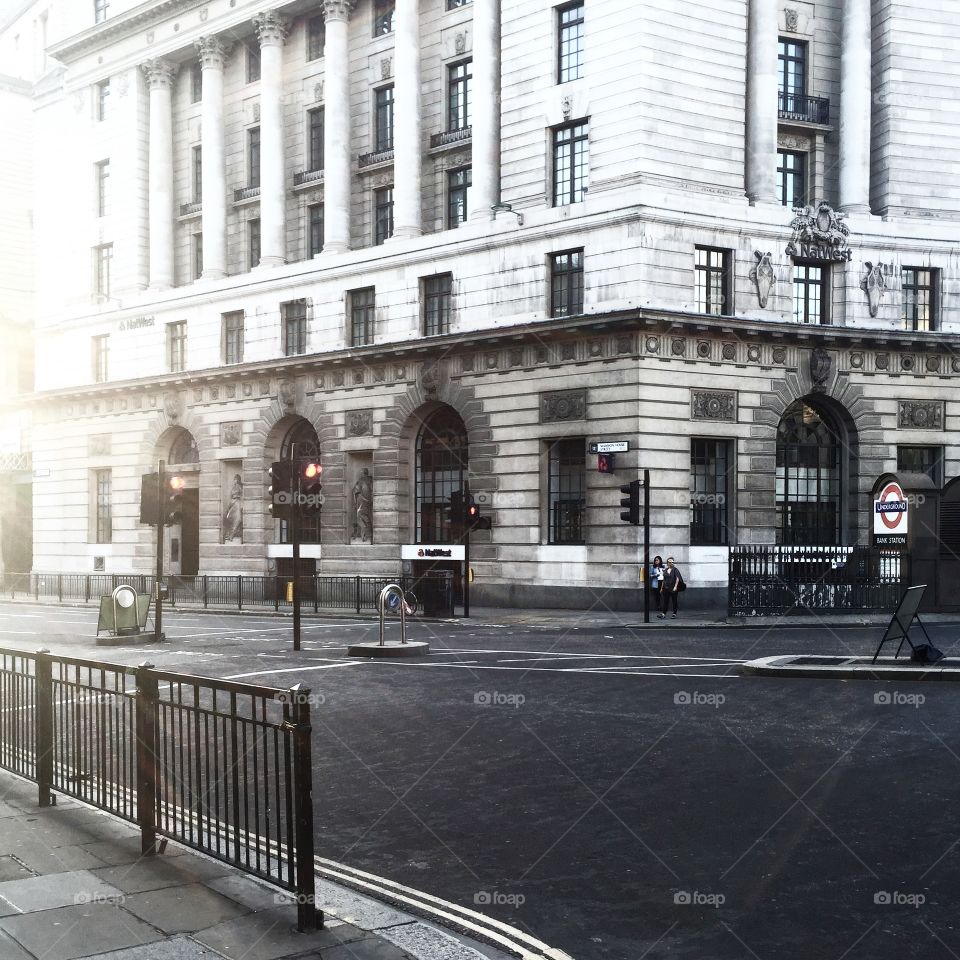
x: 473, y: 519
x: 630, y: 503
x: 606, y: 463
x: 309, y: 473
x: 455, y: 512
x: 149, y: 508
x: 280, y: 490
x: 173, y: 499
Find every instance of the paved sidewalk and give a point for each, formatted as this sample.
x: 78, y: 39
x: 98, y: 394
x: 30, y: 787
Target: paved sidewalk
x: 73, y: 884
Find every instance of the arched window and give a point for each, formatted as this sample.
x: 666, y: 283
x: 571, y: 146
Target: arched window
x: 809, y: 477
x: 183, y: 449
x: 301, y: 441
x: 441, y: 469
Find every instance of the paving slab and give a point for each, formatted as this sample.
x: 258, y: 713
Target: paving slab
x: 152, y: 873
x: 183, y: 909
x: 41, y: 858
x: 57, y: 890
x: 13, y: 869
x: 125, y: 850
x: 180, y: 948
x: 428, y: 942
x: 370, y: 949
x: 253, y: 894
x: 78, y: 931
x: 11, y: 950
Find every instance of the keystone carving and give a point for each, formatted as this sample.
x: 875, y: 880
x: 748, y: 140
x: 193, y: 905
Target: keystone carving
x: 563, y: 405
x: 791, y: 19
x: 171, y: 406
x: 713, y: 405
x: 921, y: 414
x: 231, y: 434
x: 821, y: 364
x: 288, y: 393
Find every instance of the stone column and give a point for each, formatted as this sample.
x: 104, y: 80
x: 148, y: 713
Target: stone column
x: 160, y: 74
x: 407, y: 127
x: 213, y: 52
x: 855, y: 99
x: 760, y: 174
x: 336, y: 134
x: 272, y: 30
x: 486, y: 108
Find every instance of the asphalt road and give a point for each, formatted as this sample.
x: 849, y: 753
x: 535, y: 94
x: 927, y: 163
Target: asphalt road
x: 618, y: 793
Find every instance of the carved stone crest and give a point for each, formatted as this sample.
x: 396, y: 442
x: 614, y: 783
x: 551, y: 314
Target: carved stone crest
x: 820, y: 365
x: 386, y: 66
x: 101, y: 445
x: 678, y: 346
x: 921, y: 414
x: 819, y: 233
x: 563, y: 405
x: 171, y: 406
x: 652, y: 344
x: 360, y: 423
x: 460, y: 43
x: 566, y: 106
x: 763, y: 276
x: 883, y: 361
x: 933, y: 364
x: 430, y: 375
x: 791, y: 19
x: 713, y: 405
x: 287, y: 392
x: 729, y: 351
x: 874, y: 284
x: 318, y: 90
x: 779, y: 354
x: 231, y: 434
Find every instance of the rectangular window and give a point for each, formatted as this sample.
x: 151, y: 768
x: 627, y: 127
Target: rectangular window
x: 104, y: 506
x: 709, y: 485
x: 101, y: 351
x: 919, y: 304
x: 713, y: 275
x: 315, y: 228
x: 436, y: 297
x: 102, y: 91
x: 570, y: 42
x: 792, y: 70
x: 253, y: 156
x: 567, y: 491
x: 315, y: 139
x: 383, y: 109
x: 383, y: 17
x: 102, y: 260
x: 316, y: 37
x: 196, y: 82
x: 177, y: 346
x: 197, y: 166
x: 197, y: 256
x: 362, y: 314
x: 383, y: 214
x: 928, y: 460
x: 570, y: 154
x: 792, y: 178
x: 253, y: 243
x: 458, y: 195
x: 293, y: 315
x: 100, y: 8
x: 810, y: 288
x: 103, y: 188
x: 253, y: 61
x: 232, y: 338
x: 459, y: 94
x: 566, y: 283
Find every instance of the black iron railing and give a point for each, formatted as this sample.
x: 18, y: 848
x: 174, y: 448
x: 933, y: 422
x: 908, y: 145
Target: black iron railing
x: 776, y: 580
x: 316, y: 592
x: 371, y: 159
x: 307, y: 176
x: 220, y: 766
x: 451, y: 136
x: 245, y: 193
x: 803, y: 109
x: 195, y: 206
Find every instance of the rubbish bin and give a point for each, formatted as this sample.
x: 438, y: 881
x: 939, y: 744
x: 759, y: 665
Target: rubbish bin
x: 435, y: 593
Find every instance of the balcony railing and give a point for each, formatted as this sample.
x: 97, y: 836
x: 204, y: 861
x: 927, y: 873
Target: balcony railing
x: 371, y: 159
x: 451, y: 136
x: 195, y: 206
x: 246, y: 193
x: 307, y: 176
x: 800, y: 108
x: 15, y: 462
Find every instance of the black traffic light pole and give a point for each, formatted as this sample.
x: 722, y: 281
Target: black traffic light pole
x: 295, y: 540
x: 161, y: 505
x: 646, y: 546
x: 465, y: 522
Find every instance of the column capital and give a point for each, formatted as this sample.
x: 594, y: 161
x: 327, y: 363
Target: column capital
x: 212, y: 51
x: 160, y: 72
x: 272, y: 28
x: 338, y: 9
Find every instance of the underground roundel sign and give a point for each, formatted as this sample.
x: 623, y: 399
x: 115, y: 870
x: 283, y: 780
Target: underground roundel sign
x: 890, y: 514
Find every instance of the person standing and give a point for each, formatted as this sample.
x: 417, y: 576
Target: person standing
x: 656, y: 579
x: 670, y: 589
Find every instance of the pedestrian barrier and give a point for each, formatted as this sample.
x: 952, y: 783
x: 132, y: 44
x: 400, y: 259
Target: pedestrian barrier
x: 220, y: 766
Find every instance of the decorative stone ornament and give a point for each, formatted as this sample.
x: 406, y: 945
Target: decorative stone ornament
x: 231, y: 434
x: 763, y: 276
x: 430, y: 376
x: 338, y: 9
x: 211, y: 51
x: 921, y: 414
x: 791, y: 19
x: 272, y: 28
x: 563, y: 405
x: 171, y: 406
x: 883, y: 361
x: 729, y: 351
x: 713, y: 405
x: 360, y: 423
x: 159, y: 72
x: 821, y: 364
x: 874, y: 284
x: 819, y: 233
x: 287, y: 393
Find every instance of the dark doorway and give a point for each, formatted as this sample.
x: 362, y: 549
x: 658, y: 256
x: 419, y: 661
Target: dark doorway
x: 190, y: 534
x: 441, y: 468
x: 948, y: 565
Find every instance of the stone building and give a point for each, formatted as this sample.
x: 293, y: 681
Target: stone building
x: 438, y: 240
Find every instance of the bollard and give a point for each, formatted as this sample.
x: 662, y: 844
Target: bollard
x: 148, y: 697
x: 43, y: 677
x: 308, y: 916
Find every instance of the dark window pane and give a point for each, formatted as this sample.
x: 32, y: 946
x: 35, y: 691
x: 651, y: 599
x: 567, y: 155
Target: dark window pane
x: 570, y: 154
x: 918, y: 306
x: 253, y: 61
x: 196, y: 82
x: 809, y: 293
x: 792, y: 178
x: 567, y: 491
x: 362, y: 314
x: 383, y: 16
x: 709, y: 468
x: 383, y: 214
x: 566, y: 293
x: 233, y: 337
x: 436, y: 304
x: 177, y: 346
x: 570, y: 43
x: 384, y: 119
x: 441, y: 468
x: 315, y: 139
x: 458, y: 195
x: 315, y: 212
x: 253, y: 155
x: 713, y: 282
x: 104, y: 506
x: 316, y: 36
x: 294, y: 318
x: 459, y: 92
x: 253, y: 243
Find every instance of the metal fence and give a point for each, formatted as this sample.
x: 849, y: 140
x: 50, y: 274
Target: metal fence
x: 781, y: 579
x: 239, y: 592
x: 220, y: 766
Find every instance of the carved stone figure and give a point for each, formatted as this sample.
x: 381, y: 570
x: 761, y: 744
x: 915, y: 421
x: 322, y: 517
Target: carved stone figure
x: 819, y: 233
x: 233, y: 515
x: 874, y: 284
x: 363, y: 504
x: 763, y: 276
x: 820, y: 364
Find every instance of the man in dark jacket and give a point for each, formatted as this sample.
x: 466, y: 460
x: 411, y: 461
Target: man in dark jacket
x: 670, y: 589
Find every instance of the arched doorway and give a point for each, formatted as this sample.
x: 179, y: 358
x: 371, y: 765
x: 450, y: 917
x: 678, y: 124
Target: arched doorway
x: 301, y: 440
x: 178, y: 447
x: 441, y: 467
x: 813, y: 480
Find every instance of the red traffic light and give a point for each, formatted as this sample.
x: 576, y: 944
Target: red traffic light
x: 312, y: 470
x: 176, y: 483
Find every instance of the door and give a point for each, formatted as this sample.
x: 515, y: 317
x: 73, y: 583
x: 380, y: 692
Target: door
x: 190, y: 533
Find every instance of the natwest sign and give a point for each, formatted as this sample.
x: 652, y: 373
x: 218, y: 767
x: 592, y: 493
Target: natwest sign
x: 432, y: 551
x: 819, y: 233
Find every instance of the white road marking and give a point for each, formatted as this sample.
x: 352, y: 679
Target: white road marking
x: 610, y: 672
x: 326, y: 666
x: 592, y: 656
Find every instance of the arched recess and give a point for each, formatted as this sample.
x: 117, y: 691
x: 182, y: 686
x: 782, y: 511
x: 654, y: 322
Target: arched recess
x: 294, y: 437
x: 177, y: 447
x: 441, y: 465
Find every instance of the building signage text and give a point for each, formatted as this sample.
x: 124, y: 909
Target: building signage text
x: 890, y: 516
x: 432, y: 551
x: 134, y: 323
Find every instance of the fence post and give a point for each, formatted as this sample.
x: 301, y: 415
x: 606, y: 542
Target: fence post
x: 205, y: 598
x: 59, y: 588
x: 36, y: 587
x: 276, y: 594
x: 316, y: 593
x: 358, y: 593
x: 44, y: 726
x: 308, y: 916
x: 86, y: 588
x: 240, y: 591
x: 148, y: 697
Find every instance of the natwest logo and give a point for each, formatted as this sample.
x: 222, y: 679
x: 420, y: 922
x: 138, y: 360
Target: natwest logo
x: 434, y: 552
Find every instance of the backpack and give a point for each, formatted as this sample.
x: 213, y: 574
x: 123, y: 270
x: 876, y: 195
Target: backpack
x: 683, y: 583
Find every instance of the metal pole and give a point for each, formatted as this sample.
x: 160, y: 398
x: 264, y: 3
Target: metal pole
x: 295, y: 537
x: 466, y: 549
x: 309, y: 917
x: 148, y: 697
x: 158, y: 608
x: 646, y: 546
x: 44, y: 730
